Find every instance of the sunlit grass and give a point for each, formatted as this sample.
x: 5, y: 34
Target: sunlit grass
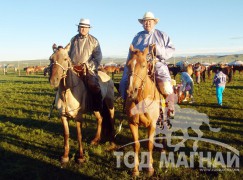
x: 31, y: 144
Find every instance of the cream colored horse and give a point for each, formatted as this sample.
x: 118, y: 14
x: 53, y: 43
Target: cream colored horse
x: 142, y: 104
x: 71, y: 100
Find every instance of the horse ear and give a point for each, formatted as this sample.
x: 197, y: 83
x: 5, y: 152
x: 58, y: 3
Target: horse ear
x: 131, y: 48
x: 68, y: 46
x: 54, y: 47
x: 146, y: 50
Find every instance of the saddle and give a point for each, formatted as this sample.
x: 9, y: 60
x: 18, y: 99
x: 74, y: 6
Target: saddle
x: 94, y: 99
x: 82, y: 71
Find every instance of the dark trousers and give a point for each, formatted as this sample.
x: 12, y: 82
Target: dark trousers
x: 94, y: 87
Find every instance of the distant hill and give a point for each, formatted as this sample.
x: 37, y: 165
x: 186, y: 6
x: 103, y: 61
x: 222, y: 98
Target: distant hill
x: 191, y: 59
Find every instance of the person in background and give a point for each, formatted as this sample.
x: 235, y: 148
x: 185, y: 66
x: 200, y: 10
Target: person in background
x: 187, y: 85
x: 219, y: 81
x: 164, y: 50
x: 85, y: 48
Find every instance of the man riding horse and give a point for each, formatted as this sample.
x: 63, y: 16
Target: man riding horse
x: 85, y: 49
x: 163, y: 50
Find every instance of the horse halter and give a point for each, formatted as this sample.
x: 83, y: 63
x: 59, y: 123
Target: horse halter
x: 143, y: 80
x: 64, y: 69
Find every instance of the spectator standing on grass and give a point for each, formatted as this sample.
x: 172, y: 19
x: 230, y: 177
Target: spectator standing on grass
x: 187, y: 85
x: 219, y: 81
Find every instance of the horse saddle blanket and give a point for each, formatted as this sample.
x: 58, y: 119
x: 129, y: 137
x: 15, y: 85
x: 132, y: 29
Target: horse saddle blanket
x: 103, y: 76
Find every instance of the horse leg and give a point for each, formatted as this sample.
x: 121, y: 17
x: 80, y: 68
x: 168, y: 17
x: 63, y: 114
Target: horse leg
x: 151, y: 132
x: 96, y: 139
x: 65, y: 157
x: 80, y: 154
x: 112, y: 119
x: 204, y: 76
x: 134, y: 130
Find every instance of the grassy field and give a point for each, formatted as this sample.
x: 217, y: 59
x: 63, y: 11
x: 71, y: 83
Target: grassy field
x: 31, y: 145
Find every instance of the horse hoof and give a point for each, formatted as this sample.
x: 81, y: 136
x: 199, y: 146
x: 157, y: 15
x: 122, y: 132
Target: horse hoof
x: 80, y: 160
x: 163, y: 151
x: 94, y: 142
x: 112, y: 147
x: 64, y: 160
x: 150, y: 171
x: 135, y: 173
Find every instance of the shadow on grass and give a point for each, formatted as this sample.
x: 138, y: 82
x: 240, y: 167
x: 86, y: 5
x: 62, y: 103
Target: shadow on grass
x: 34, y: 76
x: 234, y: 87
x: 226, y: 119
x: 53, y: 127
x: 17, y: 166
x: 211, y: 105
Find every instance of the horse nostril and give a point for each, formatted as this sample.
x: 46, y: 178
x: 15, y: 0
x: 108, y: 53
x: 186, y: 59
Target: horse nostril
x: 136, y: 89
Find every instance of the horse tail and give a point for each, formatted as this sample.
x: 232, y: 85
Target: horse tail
x: 230, y: 75
x: 204, y: 74
x: 107, y: 122
x: 209, y: 72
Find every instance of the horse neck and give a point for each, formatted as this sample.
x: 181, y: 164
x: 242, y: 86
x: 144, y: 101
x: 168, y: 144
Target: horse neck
x: 149, y: 90
x: 72, y: 80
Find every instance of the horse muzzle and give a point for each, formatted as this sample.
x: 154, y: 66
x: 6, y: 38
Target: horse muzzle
x: 54, y: 82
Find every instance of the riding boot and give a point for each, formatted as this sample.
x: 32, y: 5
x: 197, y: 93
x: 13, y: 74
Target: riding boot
x: 97, y: 102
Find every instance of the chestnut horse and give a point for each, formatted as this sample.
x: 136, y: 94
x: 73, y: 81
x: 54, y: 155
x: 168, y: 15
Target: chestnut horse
x: 200, y: 72
x: 72, y: 99
x: 185, y: 66
x: 111, y: 69
x: 142, y: 104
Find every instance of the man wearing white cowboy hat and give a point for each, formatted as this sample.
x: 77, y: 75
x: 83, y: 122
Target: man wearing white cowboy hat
x: 164, y: 51
x: 85, y: 48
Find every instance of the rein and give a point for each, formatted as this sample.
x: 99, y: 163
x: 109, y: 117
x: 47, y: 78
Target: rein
x: 143, y: 86
x: 142, y: 79
x: 64, y: 76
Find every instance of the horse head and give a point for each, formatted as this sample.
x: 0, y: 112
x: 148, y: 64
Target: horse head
x: 137, y: 69
x: 59, y: 64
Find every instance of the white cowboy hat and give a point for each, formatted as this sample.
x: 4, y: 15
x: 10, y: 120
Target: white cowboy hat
x: 147, y: 16
x: 84, y: 23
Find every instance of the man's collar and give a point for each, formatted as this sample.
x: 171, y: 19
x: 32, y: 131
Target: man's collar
x: 82, y: 37
x: 150, y: 32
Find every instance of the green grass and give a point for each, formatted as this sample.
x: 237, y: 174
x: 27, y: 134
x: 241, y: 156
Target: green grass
x: 31, y: 145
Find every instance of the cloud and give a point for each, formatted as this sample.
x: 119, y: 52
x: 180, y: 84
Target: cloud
x: 208, y: 51
x: 236, y: 37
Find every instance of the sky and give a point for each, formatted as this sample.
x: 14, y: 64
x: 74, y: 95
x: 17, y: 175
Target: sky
x: 28, y: 28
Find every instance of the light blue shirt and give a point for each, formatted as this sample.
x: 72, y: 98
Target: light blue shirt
x: 164, y: 51
x: 186, y: 78
x: 164, y: 46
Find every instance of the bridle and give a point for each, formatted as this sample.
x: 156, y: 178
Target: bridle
x: 64, y: 70
x: 143, y: 80
x: 142, y: 86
